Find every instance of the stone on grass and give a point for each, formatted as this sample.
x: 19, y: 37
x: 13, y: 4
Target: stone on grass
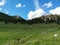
x: 55, y: 35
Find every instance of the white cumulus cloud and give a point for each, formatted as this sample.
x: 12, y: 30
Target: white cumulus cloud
x: 20, y: 5
x: 36, y: 13
x: 2, y: 3
x: 49, y: 4
x: 55, y: 11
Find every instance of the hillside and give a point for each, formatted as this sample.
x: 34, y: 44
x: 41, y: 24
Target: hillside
x: 47, y: 19
x: 10, y: 19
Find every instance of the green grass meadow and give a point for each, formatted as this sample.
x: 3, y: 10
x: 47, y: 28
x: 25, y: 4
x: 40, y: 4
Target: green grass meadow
x: 35, y: 34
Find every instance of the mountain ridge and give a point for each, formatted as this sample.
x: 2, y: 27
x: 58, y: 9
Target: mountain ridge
x: 17, y: 19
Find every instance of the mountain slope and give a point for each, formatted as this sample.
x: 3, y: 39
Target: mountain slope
x: 11, y: 19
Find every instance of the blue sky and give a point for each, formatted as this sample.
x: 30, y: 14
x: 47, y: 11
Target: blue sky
x: 24, y: 8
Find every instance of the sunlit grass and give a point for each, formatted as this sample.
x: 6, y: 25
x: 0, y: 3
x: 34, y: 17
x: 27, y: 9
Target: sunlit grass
x: 35, y: 34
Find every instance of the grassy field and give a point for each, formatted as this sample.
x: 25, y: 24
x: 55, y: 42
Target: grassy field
x: 24, y: 34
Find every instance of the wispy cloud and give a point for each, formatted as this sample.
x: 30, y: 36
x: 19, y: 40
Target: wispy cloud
x: 48, y: 5
x: 36, y: 3
x: 20, y: 5
x: 2, y: 2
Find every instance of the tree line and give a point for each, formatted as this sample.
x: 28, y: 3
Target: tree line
x: 47, y: 19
